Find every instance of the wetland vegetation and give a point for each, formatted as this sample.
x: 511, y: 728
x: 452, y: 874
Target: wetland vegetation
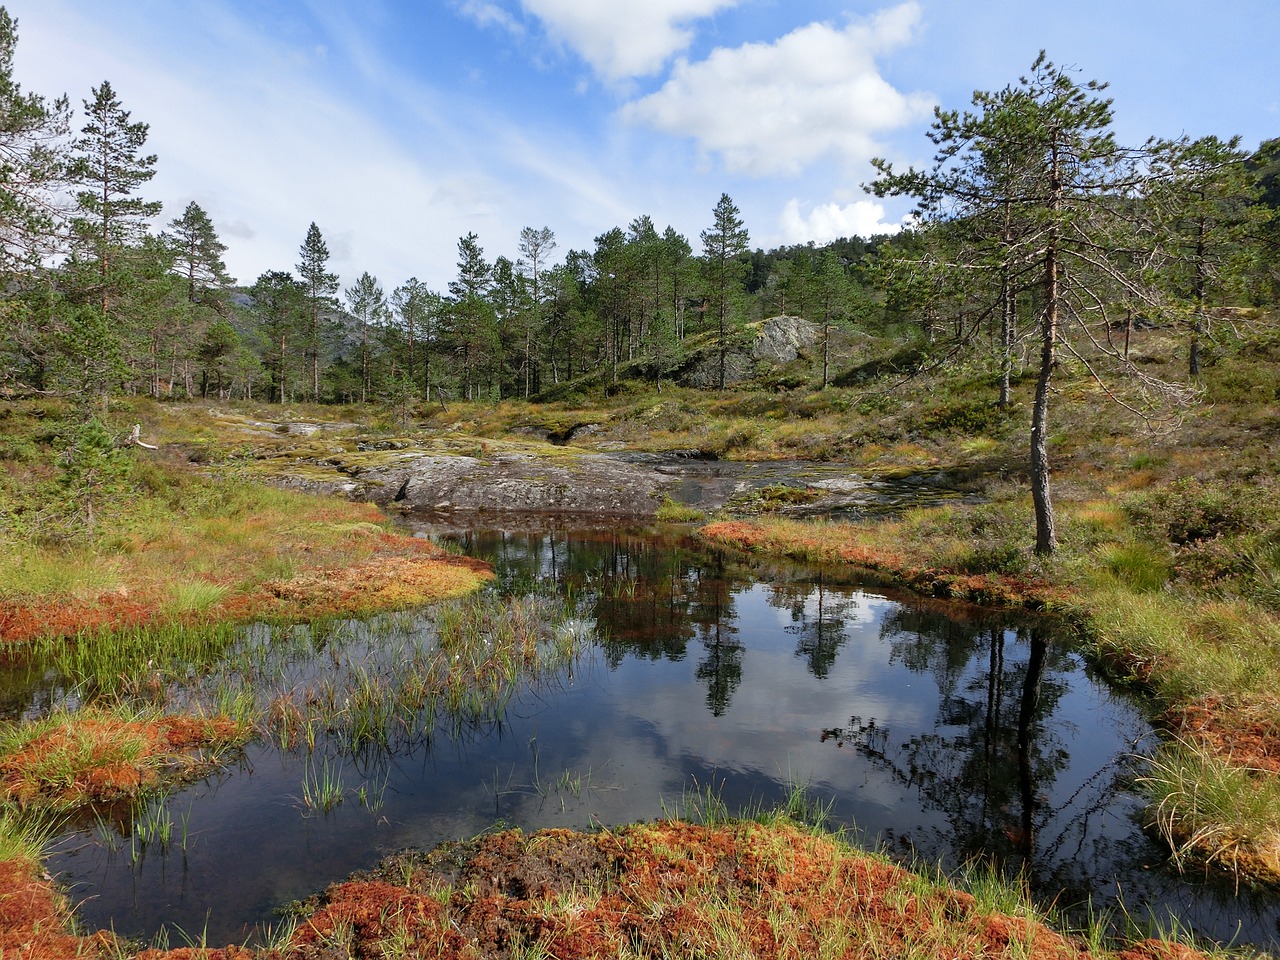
x: 293, y: 580
x: 384, y: 690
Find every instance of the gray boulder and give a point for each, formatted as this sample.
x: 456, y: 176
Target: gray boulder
x: 780, y: 339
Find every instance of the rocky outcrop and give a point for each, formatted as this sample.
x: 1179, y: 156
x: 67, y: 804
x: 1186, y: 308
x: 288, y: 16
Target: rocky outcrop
x: 776, y: 340
x: 505, y: 483
x: 780, y: 339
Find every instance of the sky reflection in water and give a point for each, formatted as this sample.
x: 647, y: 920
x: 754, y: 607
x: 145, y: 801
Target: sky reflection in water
x: 948, y: 734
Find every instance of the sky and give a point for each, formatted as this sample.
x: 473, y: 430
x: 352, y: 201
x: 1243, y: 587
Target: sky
x: 400, y: 126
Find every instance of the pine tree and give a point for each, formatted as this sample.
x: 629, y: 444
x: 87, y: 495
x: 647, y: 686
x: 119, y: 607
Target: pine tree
x: 834, y: 293
x: 473, y: 326
x: 609, y: 294
x: 197, y: 259
x: 1203, y: 199
x: 417, y: 310
x: 535, y: 248
x: 279, y: 302
x: 198, y: 253
x: 677, y: 265
x: 368, y: 304
x: 220, y: 357
x: 110, y: 167
x: 95, y: 470
x: 1037, y: 195
x: 32, y: 176
x: 723, y: 247
x: 32, y: 165
x: 319, y: 286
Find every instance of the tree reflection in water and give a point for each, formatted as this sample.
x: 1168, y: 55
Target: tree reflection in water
x: 1001, y: 750
x: 993, y: 753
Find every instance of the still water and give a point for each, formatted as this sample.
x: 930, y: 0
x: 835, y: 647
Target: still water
x: 941, y: 733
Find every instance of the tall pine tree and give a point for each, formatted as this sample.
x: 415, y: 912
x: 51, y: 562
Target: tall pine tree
x: 367, y: 303
x: 197, y: 260
x: 723, y: 269
x: 1043, y: 153
x: 319, y: 286
x: 473, y: 330
x: 109, y: 168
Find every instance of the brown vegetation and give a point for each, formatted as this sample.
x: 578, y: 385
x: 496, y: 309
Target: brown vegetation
x: 665, y: 889
x: 96, y: 756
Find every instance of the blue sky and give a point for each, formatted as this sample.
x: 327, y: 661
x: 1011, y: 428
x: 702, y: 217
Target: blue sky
x: 400, y: 125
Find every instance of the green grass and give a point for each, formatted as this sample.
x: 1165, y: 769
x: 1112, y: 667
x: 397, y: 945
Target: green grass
x: 1209, y: 810
x: 23, y: 836
x: 139, y: 662
x: 671, y: 511
x: 1140, y: 567
x: 322, y: 787
x: 79, y: 572
x: 195, y: 597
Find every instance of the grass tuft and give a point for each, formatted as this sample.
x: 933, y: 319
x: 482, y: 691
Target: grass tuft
x: 1209, y: 810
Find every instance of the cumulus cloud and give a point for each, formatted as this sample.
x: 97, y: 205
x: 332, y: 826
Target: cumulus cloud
x: 775, y: 108
x: 831, y: 221
x: 621, y: 38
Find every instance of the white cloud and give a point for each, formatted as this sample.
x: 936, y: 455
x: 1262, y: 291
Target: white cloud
x: 489, y: 15
x: 267, y: 140
x: 831, y: 221
x: 770, y: 108
x: 621, y: 38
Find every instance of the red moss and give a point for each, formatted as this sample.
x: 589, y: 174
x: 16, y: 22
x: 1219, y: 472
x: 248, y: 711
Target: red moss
x: 1243, y: 733
x: 403, y: 571
x: 378, y: 583
x: 664, y: 889
x: 62, y: 617
x: 116, y: 758
x: 33, y: 918
x: 982, y: 588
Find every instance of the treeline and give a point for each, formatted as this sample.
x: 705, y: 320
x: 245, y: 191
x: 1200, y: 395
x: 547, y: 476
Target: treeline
x: 98, y: 297
x: 98, y: 300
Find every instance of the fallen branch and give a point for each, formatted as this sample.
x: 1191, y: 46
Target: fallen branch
x: 135, y: 436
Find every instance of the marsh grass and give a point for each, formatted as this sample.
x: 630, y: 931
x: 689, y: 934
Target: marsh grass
x: 23, y: 836
x: 195, y: 597
x: 1207, y: 809
x: 357, y: 685
x: 672, y: 511
x: 81, y: 573
x: 152, y: 824
x: 140, y: 662
x: 54, y: 754
x: 1140, y: 567
x: 81, y: 757
x: 1183, y: 650
x: 322, y: 786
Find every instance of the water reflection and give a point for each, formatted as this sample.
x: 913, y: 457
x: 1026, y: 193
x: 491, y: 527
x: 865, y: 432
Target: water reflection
x: 945, y: 732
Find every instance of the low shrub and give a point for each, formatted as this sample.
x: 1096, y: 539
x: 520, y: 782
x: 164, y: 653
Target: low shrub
x: 1002, y: 558
x: 963, y: 416
x: 1189, y: 510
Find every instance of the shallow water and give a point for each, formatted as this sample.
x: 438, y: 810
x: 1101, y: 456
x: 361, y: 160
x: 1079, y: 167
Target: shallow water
x: 938, y: 731
x: 845, y: 493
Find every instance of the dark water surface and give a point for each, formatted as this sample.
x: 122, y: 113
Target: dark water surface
x: 940, y: 732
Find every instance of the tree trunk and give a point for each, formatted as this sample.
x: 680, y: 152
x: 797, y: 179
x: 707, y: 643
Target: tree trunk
x: 1197, y: 325
x: 826, y: 351
x: 1046, y: 536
